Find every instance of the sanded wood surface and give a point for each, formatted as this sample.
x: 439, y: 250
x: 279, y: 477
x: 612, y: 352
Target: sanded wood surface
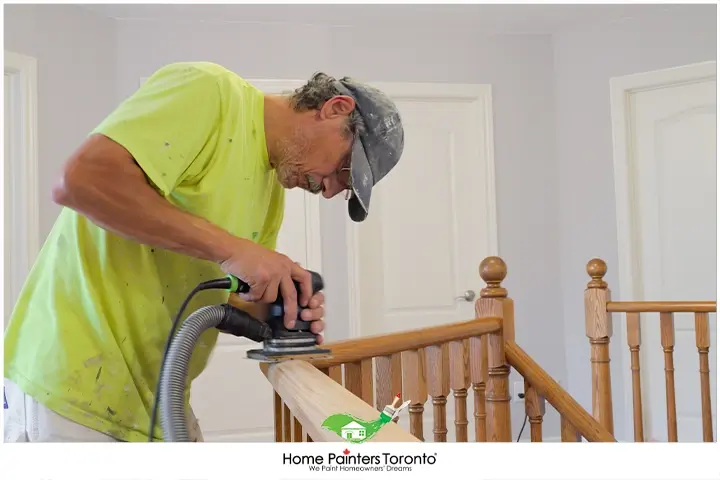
x: 312, y: 396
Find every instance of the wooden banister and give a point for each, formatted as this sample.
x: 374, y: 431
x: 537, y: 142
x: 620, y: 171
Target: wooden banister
x: 312, y: 397
x: 661, y: 307
x: 349, y: 351
x: 546, y: 386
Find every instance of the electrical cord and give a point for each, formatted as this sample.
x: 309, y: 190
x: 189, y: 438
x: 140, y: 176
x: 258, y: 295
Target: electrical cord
x: 228, y: 283
x: 521, y: 429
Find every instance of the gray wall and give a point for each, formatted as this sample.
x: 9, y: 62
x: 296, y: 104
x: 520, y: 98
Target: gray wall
x: 585, y: 60
x: 75, y: 51
x: 552, y: 132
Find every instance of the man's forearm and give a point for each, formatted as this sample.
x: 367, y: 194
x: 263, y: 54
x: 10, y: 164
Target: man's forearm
x: 115, y: 195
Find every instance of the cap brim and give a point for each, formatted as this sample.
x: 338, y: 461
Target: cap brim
x: 362, y: 183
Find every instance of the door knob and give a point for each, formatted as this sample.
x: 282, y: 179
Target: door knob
x: 468, y: 296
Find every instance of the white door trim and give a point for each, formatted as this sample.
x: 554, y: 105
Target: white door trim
x: 23, y: 181
x: 482, y: 95
x: 624, y: 163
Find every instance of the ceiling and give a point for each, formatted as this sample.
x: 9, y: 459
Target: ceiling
x: 490, y: 18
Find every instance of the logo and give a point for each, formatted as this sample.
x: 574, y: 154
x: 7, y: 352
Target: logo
x: 355, y: 430
x: 358, y: 462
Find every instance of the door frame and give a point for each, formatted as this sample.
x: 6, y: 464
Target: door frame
x: 625, y: 165
x: 481, y: 94
x: 23, y: 178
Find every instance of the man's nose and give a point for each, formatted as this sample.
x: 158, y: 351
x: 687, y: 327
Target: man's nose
x: 330, y: 188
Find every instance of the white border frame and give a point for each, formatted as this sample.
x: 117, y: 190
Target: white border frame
x: 624, y: 164
x: 480, y: 93
x: 23, y: 181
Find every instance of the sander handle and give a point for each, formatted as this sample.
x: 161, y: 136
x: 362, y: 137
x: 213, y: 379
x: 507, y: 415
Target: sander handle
x: 277, y: 308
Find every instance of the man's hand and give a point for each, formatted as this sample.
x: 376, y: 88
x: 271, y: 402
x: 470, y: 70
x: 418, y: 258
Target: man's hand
x: 269, y: 273
x: 314, y: 313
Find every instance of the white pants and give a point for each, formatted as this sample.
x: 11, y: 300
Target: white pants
x: 27, y: 420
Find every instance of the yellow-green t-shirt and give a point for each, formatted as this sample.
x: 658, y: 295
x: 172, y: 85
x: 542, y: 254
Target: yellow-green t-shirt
x: 87, y: 333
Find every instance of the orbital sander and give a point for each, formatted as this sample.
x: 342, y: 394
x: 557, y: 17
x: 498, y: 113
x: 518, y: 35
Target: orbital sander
x: 279, y: 343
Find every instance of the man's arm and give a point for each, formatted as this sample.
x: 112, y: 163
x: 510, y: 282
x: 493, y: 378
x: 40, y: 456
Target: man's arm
x: 151, y: 143
x: 102, y: 181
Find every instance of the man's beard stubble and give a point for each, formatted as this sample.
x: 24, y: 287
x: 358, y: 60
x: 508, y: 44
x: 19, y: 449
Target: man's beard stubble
x: 292, y: 151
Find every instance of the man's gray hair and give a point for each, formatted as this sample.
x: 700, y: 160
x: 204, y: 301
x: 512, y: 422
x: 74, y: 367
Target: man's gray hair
x: 318, y: 90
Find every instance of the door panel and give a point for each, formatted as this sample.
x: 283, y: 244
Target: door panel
x: 429, y: 226
x: 674, y: 136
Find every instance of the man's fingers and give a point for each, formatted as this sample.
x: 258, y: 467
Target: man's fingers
x: 304, y: 278
x: 271, y: 291
x: 317, y: 300
x: 312, y: 314
x: 287, y: 287
x: 317, y: 327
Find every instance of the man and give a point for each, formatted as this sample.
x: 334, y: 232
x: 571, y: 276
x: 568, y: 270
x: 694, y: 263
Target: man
x: 182, y: 183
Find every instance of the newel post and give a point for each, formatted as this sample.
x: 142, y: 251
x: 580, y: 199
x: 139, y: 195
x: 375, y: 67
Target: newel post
x: 493, y: 302
x: 598, y: 327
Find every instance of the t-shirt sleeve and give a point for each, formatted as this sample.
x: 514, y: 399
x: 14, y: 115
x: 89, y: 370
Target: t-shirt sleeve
x: 167, y: 123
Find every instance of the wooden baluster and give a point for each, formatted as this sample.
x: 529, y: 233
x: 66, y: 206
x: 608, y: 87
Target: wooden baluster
x: 287, y: 424
x: 459, y: 384
x: 633, y: 338
x: 277, y: 405
x: 336, y: 373
x: 598, y: 327
x: 415, y: 390
x: 478, y: 379
x: 498, y: 391
x: 358, y: 379
x: 535, y: 410
x: 438, y: 390
x: 494, y: 302
x: 388, y: 380
x: 667, y: 338
x: 297, y: 435
x: 568, y: 433
x: 702, y: 340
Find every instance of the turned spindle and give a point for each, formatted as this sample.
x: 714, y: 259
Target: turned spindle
x: 493, y: 302
x: 598, y: 326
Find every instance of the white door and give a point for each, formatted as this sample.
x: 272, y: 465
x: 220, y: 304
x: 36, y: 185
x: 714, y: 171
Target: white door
x: 9, y: 293
x: 20, y: 168
x: 667, y: 228
x: 432, y: 219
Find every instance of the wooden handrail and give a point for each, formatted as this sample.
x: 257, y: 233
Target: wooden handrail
x: 661, y: 307
x: 566, y: 406
x: 348, y: 351
x: 313, y: 396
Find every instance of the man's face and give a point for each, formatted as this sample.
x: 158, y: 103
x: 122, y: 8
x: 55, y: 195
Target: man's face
x: 316, y: 157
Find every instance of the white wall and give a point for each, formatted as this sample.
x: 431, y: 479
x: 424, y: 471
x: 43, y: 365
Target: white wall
x: 585, y: 60
x: 75, y: 51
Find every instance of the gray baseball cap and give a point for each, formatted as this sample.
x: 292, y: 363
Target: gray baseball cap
x: 377, y: 147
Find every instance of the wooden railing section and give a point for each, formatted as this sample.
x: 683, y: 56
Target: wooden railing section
x: 598, y: 323
x: 434, y: 364
x: 452, y: 360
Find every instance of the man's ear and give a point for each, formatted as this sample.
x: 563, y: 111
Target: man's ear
x: 338, y: 106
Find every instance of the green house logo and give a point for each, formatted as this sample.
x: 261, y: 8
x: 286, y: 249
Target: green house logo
x: 356, y: 430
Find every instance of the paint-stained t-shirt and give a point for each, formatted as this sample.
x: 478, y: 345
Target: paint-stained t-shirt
x: 87, y: 333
